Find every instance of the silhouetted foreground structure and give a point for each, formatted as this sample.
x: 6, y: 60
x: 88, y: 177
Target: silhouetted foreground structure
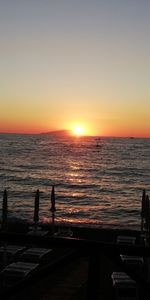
x: 96, y: 254
x: 105, y: 260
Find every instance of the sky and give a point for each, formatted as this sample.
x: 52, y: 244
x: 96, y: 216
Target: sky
x: 75, y: 62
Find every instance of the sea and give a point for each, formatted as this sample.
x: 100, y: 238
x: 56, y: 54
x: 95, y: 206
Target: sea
x: 98, y: 180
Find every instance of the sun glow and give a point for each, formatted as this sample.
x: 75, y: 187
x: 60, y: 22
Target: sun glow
x: 78, y: 130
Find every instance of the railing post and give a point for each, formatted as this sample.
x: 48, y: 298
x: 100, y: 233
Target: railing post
x: 93, y: 276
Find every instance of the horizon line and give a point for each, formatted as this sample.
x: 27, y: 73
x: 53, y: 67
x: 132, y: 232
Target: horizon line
x: 56, y: 132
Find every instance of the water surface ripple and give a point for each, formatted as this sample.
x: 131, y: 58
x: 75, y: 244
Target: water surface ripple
x: 98, y: 181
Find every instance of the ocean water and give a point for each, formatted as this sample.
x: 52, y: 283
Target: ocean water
x: 98, y: 181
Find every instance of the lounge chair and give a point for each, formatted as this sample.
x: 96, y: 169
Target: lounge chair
x: 16, y: 272
x: 125, y: 288
x: 36, y: 255
x: 132, y: 260
x: 12, y: 249
x: 126, y: 240
x: 9, y: 253
x: 63, y: 232
x: 37, y: 231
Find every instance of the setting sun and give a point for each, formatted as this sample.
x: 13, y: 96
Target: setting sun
x: 78, y: 130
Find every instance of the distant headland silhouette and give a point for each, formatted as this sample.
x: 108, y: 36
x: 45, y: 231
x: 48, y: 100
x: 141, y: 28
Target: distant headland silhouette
x: 63, y: 132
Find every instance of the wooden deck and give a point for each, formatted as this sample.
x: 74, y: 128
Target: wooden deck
x: 87, y: 270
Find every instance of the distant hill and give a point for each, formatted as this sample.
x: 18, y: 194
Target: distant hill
x: 58, y: 132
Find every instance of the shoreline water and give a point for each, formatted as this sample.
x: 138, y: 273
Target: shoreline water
x: 79, y: 225
x: 106, y: 233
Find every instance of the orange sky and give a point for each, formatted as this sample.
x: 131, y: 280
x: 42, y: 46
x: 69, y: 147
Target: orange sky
x: 66, y: 63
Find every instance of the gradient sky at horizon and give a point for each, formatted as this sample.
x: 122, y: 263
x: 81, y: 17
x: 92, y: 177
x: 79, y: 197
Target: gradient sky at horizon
x: 75, y: 61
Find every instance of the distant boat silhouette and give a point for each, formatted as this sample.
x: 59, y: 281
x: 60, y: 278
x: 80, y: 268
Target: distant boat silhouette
x: 98, y: 144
